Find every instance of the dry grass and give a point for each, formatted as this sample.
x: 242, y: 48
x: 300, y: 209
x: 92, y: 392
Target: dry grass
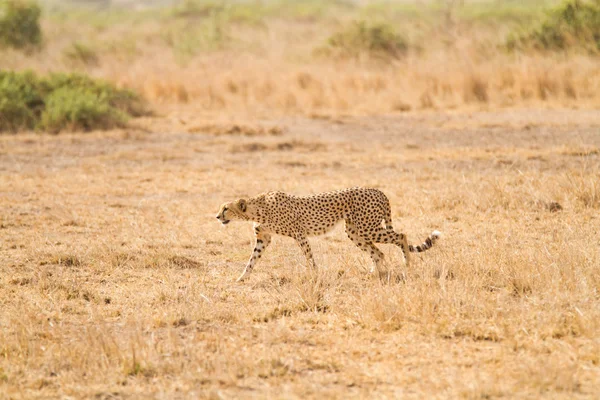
x: 348, y: 88
x: 117, y: 281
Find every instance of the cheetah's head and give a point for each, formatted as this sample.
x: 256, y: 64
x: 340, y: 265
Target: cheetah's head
x: 234, y: 210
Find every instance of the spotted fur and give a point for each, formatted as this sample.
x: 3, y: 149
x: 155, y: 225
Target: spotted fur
x: 362, y: 209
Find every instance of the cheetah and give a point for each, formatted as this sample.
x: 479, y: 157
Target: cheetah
x: 363, y: 210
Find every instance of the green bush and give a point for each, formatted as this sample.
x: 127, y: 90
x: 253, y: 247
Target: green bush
x: 20, y: 24
x: 121, y: 99
x: 378, y: 40
x: 21, y: 101
x: 77, y: 108
x: 573, y: 24
x: 63, y: 101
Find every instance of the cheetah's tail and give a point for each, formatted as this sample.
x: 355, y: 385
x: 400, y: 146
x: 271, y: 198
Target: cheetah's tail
x: 427, y: 244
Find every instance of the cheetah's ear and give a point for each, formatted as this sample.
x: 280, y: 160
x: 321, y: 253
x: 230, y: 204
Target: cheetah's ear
x: 242, y: 205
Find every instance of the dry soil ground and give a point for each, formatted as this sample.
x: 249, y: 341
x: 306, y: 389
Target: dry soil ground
x: 116, y: 280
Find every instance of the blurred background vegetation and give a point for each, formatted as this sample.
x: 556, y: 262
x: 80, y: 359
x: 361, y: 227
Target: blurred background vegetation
x: 291, y: 57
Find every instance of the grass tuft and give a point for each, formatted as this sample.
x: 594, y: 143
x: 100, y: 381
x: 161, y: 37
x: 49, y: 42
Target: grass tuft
x: 67, y: 260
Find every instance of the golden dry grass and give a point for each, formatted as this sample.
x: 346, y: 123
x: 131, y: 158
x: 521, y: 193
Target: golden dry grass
x: 117, y: 281
x: 250, y: 85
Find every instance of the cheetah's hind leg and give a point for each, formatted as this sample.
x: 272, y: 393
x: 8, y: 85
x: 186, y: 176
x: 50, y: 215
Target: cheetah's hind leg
x: 388, y: 235
x: 306, y: 250
x: 366, y: 246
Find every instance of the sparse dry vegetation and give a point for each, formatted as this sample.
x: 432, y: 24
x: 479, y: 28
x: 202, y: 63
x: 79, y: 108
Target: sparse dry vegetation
x: 116, y: 280
x: 112, y: 260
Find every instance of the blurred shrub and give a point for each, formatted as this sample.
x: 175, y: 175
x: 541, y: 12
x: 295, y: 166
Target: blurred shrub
x: 81, y: 53
x: 79, y: 108
x: 20, y: 24
x: 121, y: 99
x: 188, y: 39
x: 307, y: 10
x: 201, y: 26
x: 574, y: 23
x: 377, y: 40
x: 63, y: 101
x: 195, y: 8
x: 21, y: 100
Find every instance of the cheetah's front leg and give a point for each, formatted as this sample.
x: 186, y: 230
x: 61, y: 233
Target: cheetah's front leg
x: 262, y: 241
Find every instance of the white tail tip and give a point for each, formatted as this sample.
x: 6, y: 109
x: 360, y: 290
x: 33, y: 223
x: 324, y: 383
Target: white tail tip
x: 436, y: 234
